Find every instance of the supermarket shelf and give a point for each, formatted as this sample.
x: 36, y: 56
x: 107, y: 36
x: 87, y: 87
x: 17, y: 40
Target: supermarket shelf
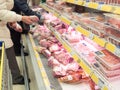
x: 94, y: 5
x: 54, y: 83
x: 109, y: 46
x: 41, y: 78
x: 96, y: 76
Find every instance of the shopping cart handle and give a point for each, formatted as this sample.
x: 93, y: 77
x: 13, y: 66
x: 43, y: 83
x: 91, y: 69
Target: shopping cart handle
x: 1, y: 42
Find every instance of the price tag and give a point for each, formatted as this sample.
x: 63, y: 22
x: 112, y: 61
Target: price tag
x: 95, y: 78
x: 91, y: 36
x: 67, y: 47
x: 79, y: 2
x: 85, y: 67
x: 71, y: 1
x: 64, y: 19
x: 113, y: 9
x: 105, y: 88
x: 75, y: 56
x: 99, y: 7
x: 107, y: 8
x: 78, y: 61
x: 110, y: 47
x: 84, y: 3
x: 56, y: 14
x: 100, y: 83
x: 117, y: 10
x: 117, y: 52
x: 99, y: 41
x: 70, y: 77
x: 39, y: 64
x: 37, y: 55
x: 64, y: 0
x: 46, y: 82
x: 93, y: 5
x: 83, y: 31
x: 57, y: 36
x: 43, y: 73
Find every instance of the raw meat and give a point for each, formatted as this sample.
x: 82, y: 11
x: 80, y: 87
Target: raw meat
x: 72, y: 66
x: 109, y: 60
x: 52, y: 62
x: 44, y: 51
x: 54, y: 47
x: 75, y: 77
x: 59, y: 71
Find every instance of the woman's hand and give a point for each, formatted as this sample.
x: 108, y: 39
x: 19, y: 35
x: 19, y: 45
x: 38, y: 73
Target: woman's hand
x: 27, y: 19
x: 15, y: 26
x: 34, y: 18
x: 30, y: 19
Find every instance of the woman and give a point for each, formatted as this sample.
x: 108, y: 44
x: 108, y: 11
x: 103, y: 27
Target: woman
x: 20, y: 6
x: 9, y: 16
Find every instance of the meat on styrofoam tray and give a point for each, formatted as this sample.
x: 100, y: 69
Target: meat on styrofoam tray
x: 73, y: 37
x: 109, y: 60
x: 113, y: 32
x: 86, y: 51
x: 63, y: 57
x: 95, y: 45
x: 53, y: 39
x: 44, y: 51
x: 52, y: 62
x: 73, y: 66
x: 113, y: 19
x: 45, y: 43
x: 107, y: 72
x: 54, y: 47
x: 75, y: 77
x: 59, y: 71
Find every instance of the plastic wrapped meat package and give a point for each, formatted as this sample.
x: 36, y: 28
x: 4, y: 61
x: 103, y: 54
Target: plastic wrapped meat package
x: 88, y: 52
x: 113, y: 20
x: 101, y: 33
x: 75, y: 77
x: 99, y: 26
x: 114, y: 41
x: 112, y: 32
x: 73, y: 37
x: 109, y: 60
x: 109, y: 74
x: 111, y: 2
x: 85, y: 52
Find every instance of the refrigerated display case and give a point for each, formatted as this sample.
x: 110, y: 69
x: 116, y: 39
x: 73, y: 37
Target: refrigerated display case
x: 88, y: 31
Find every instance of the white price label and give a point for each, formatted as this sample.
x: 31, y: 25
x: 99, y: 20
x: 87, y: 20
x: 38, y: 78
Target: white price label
x: 70, y: 77
x: 91, y: 36
x: 86, y: 4
x: 117, y: 52
x: 99, y: 7
x: 100, y: 83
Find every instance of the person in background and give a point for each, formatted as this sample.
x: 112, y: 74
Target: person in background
x: 10, y: 17
x: 21, y: 6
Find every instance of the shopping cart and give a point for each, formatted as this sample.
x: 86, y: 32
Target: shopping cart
x: 5, y: 74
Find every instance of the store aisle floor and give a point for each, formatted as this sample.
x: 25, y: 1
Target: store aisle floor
x: 30, y: 72
x: 19, y: 87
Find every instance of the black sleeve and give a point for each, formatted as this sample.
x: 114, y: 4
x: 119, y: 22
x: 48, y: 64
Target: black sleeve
x: 23, y: 7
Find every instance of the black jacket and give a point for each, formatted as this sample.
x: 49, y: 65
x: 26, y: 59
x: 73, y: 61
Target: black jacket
x: 22, y: 6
